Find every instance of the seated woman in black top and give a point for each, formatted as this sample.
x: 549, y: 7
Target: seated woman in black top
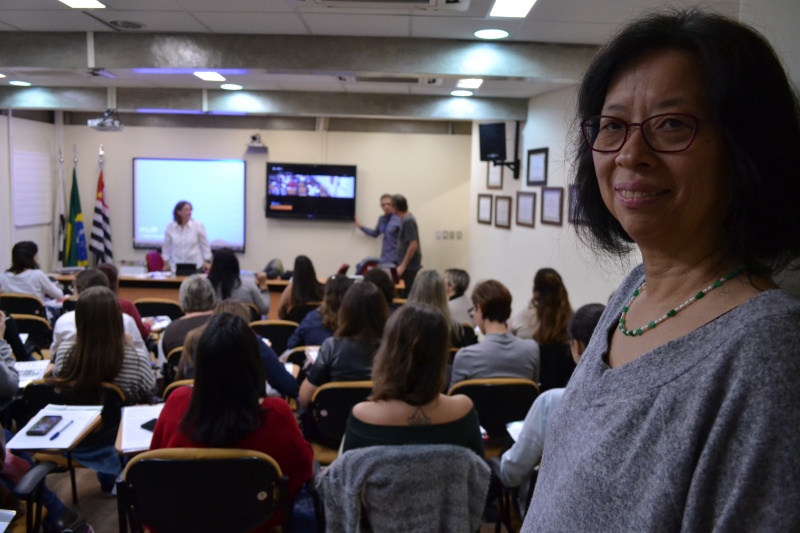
x: 320, y: 323
x: 304, y: 287
x: 347, y: 356
x: 408, y: 405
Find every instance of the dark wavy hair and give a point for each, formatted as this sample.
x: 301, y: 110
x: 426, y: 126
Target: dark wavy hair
x: 22, y: 257
x: 224, y: 272
x: 381, y: 279
x: 180, y: 205
x: 553, y: 311
x: 228, y: 382
x: 305, y: 285
x: 363, y: 314
x: 335, y: 289
x: 757, y: 111
x: 584, y: 322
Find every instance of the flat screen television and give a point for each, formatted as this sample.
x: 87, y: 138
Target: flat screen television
x: 303, y: 191
x: 214, y: 187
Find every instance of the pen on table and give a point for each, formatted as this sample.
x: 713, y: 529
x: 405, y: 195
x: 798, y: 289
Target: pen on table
x: 57, y: 433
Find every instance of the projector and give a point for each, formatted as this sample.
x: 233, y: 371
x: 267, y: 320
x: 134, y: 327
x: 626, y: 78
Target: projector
x: 108, y: 122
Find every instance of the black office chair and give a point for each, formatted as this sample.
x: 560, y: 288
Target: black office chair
x: 159, y: 307
x: 276, y: 331
x: 326, y: 417
x: 298, y: 312
x: 169, y: 491
x: 22, y: 304
x: 38, y: 329
x: 555, y: 366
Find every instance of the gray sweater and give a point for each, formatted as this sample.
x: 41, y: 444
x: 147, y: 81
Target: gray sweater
x: 700, y: 434
x: 499, y: 355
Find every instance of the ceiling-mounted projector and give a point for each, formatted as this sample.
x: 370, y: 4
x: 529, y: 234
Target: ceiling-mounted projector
x: 108, y: 122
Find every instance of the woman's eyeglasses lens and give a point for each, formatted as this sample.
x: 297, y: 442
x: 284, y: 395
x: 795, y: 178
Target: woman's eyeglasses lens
x: 662, y: 133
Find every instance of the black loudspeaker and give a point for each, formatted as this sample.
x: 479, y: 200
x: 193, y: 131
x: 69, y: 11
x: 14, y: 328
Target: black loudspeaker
x: 492, y: 139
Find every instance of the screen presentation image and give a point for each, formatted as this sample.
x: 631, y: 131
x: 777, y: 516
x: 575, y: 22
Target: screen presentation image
x: 215, y: 188
x: 311, y: 191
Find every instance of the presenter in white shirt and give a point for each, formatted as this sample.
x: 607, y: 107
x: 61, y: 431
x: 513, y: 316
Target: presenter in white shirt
x: 185, y: 240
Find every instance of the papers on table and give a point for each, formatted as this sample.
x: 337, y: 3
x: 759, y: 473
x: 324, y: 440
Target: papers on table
x: 311, y: 353
x: 23, y: 337
x: 81, y: 416
x: 514, y: 429
x: 160, y: 322
x: 6, y: 516
x: 30, y: 370
x: 133, y: 437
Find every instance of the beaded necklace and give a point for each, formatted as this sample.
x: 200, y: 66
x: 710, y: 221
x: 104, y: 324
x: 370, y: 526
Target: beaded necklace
x: 672, y: 312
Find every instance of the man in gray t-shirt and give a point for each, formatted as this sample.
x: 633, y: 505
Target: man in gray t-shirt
x: 409, y: 256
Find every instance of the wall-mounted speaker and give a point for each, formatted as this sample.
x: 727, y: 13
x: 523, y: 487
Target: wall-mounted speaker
x: 492, y: 138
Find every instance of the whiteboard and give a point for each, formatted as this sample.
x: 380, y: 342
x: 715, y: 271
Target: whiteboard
x: 32, y: 186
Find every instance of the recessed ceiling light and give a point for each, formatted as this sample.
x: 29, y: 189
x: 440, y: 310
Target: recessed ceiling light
x: 2, y: 75
x: 19, y: 83
x: 511, y: 8
x: 230, y: 87
x: 83, y: 4
x: 491, y: 34
x: 469, y: 83
x: 210, y: 76
x: 459, y: 92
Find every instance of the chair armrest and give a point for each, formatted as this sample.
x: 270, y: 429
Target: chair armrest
x: 33, y: 478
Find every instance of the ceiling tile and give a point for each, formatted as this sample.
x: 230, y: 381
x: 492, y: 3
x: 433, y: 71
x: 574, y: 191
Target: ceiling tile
x: 253, y: 6
x: 358, y: 25
x: 54, y: 20
x: 439, y: 28
x: 160, y: 21
x: 256, y: 23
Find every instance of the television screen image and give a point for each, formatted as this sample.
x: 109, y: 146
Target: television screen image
x: 214, y: 187
x: 311, y: 191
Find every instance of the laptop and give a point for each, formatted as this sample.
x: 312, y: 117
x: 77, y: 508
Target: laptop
x: 185, y: 269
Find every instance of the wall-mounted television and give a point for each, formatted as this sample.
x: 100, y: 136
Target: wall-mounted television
x: 214, y: 187
x: 307, y: 191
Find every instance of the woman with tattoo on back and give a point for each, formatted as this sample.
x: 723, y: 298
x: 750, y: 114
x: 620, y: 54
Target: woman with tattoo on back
x: 408, y: 405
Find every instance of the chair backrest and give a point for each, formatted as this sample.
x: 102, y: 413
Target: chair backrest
x: 276, y: 331
x: 37, y: 394
x: 555, y: 365
x: 69, y: 304
x: 298, y: 312
x: 498, y: 401
x: 255, y: 314
x: 170, y: 490
x: 155, y: 263
x: 22, y: 304
x: 177, y: 384
x: 171, y: 366
x: 431, y: 487
x: 37, y: 328
x: 468, y: 336
x: 330, y: 407
x: 158, y: 307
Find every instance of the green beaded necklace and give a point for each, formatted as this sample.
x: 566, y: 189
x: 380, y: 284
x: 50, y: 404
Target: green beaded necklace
x: 672, y: 312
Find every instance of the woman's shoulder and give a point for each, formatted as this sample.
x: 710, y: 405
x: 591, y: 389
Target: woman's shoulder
x: 448, y: 409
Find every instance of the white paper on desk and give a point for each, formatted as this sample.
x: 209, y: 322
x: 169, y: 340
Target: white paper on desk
x: 311, y: 354
x: 6, y: 516
x: 81, y: 415
x: 30, y: 370
x: 23, y: 337
x: 160, y: 322
x: 134, y: 437
x: 514, y: 429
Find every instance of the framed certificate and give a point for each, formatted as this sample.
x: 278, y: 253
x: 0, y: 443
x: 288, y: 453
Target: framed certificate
x: 537, y: 167
x: 502, y: 212
x: 484, y: 209
x: 494, y: 176
x: 552, y: 205
x: 526, y: 209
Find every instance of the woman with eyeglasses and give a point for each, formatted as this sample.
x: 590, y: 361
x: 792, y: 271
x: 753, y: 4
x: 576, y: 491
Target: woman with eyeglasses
x: 683, y: 412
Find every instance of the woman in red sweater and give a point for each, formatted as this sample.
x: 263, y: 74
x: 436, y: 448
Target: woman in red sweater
x: 224, y: 409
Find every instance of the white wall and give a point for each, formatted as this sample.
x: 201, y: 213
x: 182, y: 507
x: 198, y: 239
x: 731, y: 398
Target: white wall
x: 25, y: 136
x: 513, y: 256
x: 432, y: 171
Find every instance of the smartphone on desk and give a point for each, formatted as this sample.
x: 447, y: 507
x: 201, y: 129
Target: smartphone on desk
x: 44, y: 425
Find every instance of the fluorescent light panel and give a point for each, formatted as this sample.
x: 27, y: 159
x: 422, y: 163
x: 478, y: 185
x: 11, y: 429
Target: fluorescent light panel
x: 19, y: 83
x: 460, y: 92
x: 518, y: 9
x: 230, y: 87
x: 2, y: 75
x: 491, y: 34
x: 209, y: 76
x: 469, y: 83
x: 83, y: 4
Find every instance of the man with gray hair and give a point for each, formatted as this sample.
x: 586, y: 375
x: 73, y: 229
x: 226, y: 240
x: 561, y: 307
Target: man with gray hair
x: 196, y: 296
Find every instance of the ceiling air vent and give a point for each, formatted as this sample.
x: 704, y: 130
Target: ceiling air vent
x: 433, y: 5
x: 404, y: 80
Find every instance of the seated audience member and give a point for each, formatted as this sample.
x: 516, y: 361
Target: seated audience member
x: 225, y: 408
x: 319, y: 324
x: 224, y: 277
x: 347, y: 356
x: 196, y: 296
x: 102, y: 351
x: 546, y: 317
x: 127, y: 306
x: 408, y: 404
x: 456, y: 283
x: 277, y: 376
x: 9, y: 378
x: 25, y: 277
x: 518, y: 463
x: 429, y: 289
x: 11, y: 336
x: 500, y: 354
x: 304, y: 287
x: 381, y: 279
x: 65, y: 327
x: 15, y: 465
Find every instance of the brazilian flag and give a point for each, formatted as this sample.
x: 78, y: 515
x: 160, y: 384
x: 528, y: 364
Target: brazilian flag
x: 75, y: 252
